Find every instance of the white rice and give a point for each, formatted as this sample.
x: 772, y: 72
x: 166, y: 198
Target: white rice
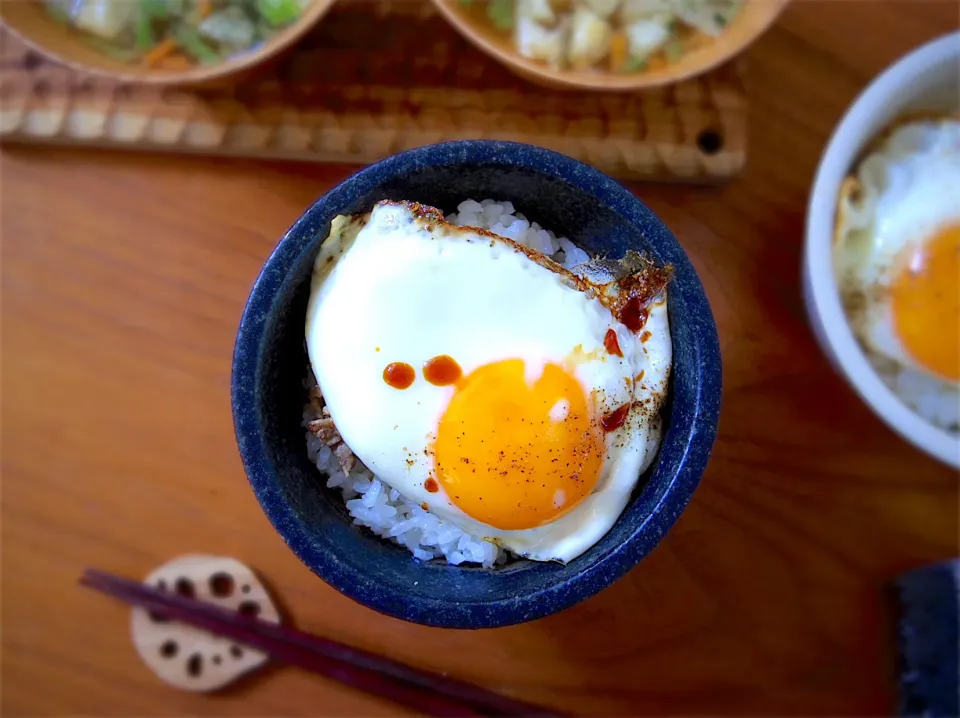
x: 384, y: 511
x: 371, y: 502
x: 503, y: 219
x: 936, y: 401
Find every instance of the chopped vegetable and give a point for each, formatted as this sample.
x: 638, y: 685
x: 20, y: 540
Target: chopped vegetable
x: 191, y: 43
x: 589, y: 40
x: 279, y: 12
x: 602, y: 8
x: 229, y: 27
x: 174, y: 34
x: 539, y: 43
x: 538, y: 10
x: 172, y: 8
x: 158, y: 9
x: 501, y: 13
x: 605, y: 35
x: 708, y: 16
x: 104, y: 18
x: 633, y: 10
x: 144, y: 28
x: 673, y: 50
x: 635, y: 64
x: 648, y: 36
x: 161, y: 51
x: 618, y: 51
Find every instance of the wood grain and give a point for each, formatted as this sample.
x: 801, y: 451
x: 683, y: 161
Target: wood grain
x: 123, y: 278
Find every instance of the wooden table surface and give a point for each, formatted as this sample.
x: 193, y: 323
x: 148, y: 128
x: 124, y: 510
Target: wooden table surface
x: 123, y: 278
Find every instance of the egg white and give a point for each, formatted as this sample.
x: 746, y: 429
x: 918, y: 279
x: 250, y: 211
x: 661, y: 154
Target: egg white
x: 404, y: 286
x: 902, y: 193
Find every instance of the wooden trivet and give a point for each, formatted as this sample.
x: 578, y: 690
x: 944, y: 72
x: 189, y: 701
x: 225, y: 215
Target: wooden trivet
x: 190, y: 658
x: 376, y: 77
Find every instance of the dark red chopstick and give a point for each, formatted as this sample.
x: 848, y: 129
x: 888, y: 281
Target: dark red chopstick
x: 423, y: 691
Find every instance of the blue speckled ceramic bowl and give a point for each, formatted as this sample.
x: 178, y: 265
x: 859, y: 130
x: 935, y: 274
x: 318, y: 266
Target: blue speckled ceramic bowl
x: 269, y: 362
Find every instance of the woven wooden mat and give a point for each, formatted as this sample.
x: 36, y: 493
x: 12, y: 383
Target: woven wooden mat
x: 374, y: 78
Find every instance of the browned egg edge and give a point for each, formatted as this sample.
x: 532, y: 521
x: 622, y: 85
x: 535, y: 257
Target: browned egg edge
x: 639, y: 288
x: 850, y: 187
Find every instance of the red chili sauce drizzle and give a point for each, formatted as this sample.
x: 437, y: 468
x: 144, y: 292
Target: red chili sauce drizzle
x: 615, y: 419
x: 634, y: 315
x: 442, y: 370
x: 611, y: 343
x: 399, y: 375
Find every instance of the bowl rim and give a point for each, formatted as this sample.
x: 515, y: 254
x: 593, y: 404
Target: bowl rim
x: 197, y: 75
x: 604, y: 82
x: 696, y: 442
x: 822, y: 294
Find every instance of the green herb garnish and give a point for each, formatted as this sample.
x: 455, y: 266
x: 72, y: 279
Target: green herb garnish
x: 190, y: 42
x: 144, y: 28
x: 673, y: 50
x: 500, y: 13
x: 158, y: 9
x: 635, y: 64
x: 719, y: 19
x: 279, y: 12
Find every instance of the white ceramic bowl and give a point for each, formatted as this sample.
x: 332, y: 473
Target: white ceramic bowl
x: 926, y: 79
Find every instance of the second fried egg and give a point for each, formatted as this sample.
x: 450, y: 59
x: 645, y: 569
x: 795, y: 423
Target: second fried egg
x: 897, y: 248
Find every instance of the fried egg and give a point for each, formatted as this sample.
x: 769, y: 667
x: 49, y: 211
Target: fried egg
x: 485, y: 382
x: 897, y: 248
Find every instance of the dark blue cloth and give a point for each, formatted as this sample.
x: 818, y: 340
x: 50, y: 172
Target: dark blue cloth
x: 929, y: 671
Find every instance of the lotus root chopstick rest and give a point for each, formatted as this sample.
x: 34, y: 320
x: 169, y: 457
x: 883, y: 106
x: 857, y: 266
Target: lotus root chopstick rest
x: 191, y: 658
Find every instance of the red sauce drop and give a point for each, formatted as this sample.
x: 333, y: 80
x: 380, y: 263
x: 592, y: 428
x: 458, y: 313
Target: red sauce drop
x: 644, y: 337
x: 431, y: 485
x: 611, y: 343
x: 442, y: 370
x: 399, y: 375
x: 615, y: 419
x: 634, y: 315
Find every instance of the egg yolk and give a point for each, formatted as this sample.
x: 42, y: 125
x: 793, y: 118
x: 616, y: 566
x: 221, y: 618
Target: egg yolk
x: 514, y: 454
x: 926, y: 303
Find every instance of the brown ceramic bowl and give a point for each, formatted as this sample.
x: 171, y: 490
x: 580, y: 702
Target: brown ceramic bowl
x: 753, y: 20
x: 28, y: 20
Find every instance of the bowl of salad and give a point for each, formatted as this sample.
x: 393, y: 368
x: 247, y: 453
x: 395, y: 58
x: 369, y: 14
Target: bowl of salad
x: 161, y: 42
x: 611, y: 44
